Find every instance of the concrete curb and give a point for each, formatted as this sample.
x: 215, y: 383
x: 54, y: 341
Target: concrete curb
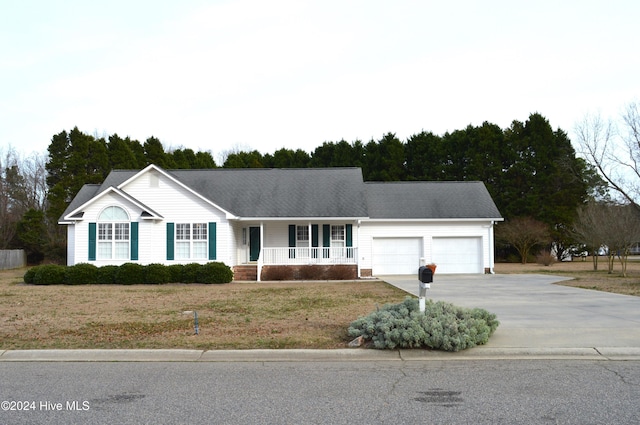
x: 338, y: 355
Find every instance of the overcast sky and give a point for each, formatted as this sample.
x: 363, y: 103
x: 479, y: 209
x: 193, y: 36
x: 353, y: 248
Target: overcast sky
x: 251, y: 74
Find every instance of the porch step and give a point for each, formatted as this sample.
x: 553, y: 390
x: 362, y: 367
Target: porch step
x: 245, y: 272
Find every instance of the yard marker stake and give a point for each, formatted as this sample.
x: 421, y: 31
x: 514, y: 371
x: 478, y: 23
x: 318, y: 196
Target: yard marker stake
x: 195, y: 318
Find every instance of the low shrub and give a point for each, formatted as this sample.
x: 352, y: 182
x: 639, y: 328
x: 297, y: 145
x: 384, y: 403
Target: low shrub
x: 106, y: 275
x: 49, y: 274
x: 130, y: 274
x: 175, y: 273
x: 190, y: 272
x: 443, y: 326
x: 545, y: 258
x: 30, y: 275
x: 81, y: 274
x: 156, y: 273
x: 215, y: 272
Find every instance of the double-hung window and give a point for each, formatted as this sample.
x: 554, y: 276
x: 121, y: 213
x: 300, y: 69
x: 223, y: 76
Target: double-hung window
x: 191, y: 241
x: 337, y: 240
x: 113, y: 234
x: 302, y: 240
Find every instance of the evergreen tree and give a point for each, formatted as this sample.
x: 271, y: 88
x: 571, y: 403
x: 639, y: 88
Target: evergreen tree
x: 384, y: 160
x: 155, y: 154
x: 424, y: 157
x: 251, y: 159
x: 32, y: 233
x: 121, y: 157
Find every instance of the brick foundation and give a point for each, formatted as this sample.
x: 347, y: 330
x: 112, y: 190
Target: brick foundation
x: 310, y: 272
x: 366, y: 273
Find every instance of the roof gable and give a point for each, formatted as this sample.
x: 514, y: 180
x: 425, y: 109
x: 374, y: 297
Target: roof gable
x: 93, y: 193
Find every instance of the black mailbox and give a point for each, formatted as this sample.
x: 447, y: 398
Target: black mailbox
x: 425, y: 275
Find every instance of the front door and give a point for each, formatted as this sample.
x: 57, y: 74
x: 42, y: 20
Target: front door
x: 254, y: 243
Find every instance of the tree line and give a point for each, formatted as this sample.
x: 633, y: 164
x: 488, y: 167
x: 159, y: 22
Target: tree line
x: 530, y: 170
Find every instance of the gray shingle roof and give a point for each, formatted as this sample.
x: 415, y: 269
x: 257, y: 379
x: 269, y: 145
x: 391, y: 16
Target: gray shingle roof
x: 430, y: 200
x: 320, y: 192
x: 87, y: 192
x: 309, y: 192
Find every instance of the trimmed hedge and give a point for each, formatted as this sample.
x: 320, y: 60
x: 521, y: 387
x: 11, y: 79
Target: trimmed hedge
x: 81, y: 274
x: 442, y: 326
x: 214, y: 273
x: 156, y: 273
x: 107, y: 274
x: 128, y: 274
x: 190, y: 273
x: 49, y: 274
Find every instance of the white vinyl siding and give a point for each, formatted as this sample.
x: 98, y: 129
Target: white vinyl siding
x: 174, y: 204
x: 178, y: 205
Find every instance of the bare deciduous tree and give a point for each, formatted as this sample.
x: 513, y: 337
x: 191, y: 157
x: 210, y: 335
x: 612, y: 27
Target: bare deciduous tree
x: 22, y: 188
x: 614, y: 149
x: 623, y: 231
x: 524, y: 233
x: 588, y: 229
x: 616, y: 227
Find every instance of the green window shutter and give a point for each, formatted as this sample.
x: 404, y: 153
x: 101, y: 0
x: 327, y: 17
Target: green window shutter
x: 170, y: 235
x: 292, y: 236
x: 212, y: 241
x: 326, y: 240
x: 314, y: 235
x: 292, y: 240
x: 349, y: 241
x: 314, y: 240
x: 92, y: 241
x: 134, y: 240
x: 326, y: 235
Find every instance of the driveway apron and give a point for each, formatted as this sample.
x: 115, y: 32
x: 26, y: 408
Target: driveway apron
x: 534, y: 312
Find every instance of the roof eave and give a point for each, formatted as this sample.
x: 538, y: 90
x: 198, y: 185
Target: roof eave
x: 299, y: 218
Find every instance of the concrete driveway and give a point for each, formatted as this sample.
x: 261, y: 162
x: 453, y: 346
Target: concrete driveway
x: 537, y: 314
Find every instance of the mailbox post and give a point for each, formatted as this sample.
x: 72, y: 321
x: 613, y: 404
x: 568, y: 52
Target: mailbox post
x: 425, y: 277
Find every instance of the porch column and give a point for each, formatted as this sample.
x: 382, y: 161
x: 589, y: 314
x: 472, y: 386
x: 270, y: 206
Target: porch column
x: 357, y: 244
x: 260, y: 256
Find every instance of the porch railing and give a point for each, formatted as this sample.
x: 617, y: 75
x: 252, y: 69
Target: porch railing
x: 290, y: 256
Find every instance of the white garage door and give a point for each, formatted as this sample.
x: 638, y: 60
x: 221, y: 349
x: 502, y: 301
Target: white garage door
x: 457, y: 255
x: 396, y: 255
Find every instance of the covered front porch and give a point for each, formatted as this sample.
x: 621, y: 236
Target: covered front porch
x: 301, y: 246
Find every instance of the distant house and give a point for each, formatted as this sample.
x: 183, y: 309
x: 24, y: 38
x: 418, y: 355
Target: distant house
x: 260, y: 218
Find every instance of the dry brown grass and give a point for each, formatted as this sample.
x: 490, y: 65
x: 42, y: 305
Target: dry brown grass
x: 584, y: 275
x: 231, y: 316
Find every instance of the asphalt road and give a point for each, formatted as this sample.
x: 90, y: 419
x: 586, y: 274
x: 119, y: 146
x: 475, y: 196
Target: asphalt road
x: 397, y: 392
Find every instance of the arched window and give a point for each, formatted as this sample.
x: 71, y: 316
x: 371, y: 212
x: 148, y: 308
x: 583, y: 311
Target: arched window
x: 113, y: 214
x: 113, y: 234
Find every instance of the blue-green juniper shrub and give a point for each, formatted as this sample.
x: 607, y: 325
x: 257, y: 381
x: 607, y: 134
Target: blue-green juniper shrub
x: 442, y: 326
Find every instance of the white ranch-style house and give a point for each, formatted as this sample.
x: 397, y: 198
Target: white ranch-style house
x: 258, y: 218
